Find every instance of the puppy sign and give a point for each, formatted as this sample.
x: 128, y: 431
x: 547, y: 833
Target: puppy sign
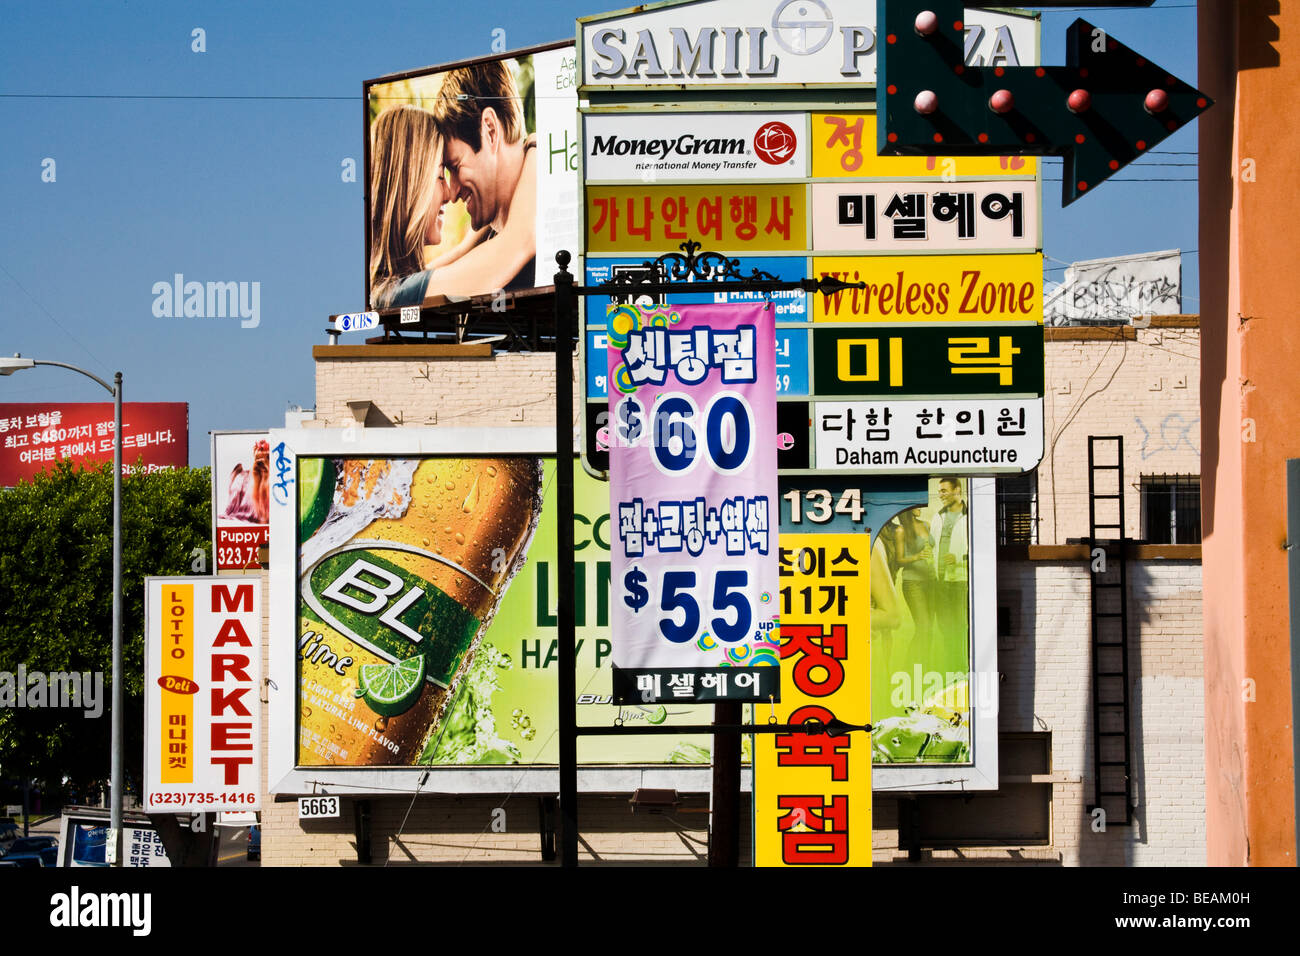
x: 241, y: 499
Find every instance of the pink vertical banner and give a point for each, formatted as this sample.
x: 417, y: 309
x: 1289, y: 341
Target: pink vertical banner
x: 693, y: 501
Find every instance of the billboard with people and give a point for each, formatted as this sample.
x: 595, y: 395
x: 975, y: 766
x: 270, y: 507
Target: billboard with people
x: 470, y: 177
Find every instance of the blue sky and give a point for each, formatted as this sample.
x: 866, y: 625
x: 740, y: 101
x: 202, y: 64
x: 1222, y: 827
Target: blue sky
x: 226, y: 166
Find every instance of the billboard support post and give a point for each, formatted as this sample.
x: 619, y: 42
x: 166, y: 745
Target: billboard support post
x: 565, y: 313
x: 709, y: 270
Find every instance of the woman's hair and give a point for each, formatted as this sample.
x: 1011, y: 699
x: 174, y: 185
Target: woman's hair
x: 405, y: 154
x: 908, y: 521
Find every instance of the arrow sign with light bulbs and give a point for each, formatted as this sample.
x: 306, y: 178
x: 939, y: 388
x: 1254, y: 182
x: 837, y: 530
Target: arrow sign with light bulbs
x: 1101, y: 111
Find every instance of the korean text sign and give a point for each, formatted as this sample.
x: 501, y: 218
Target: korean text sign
x: 693, y: 496
x: 812, y: 792
x: 35, y: 436
x: 203, y: 669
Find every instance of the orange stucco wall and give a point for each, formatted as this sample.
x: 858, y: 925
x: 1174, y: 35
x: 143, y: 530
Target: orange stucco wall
x: 1250, y: 254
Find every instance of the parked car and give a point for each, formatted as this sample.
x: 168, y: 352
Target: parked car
x: 255, y: 842
x: 31, y: 851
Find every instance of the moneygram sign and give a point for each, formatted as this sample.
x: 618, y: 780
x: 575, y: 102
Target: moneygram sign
x: 696, y: 146
x: 730, y: 43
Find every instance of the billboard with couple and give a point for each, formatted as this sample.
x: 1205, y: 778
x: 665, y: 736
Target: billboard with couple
x: 471, y: 180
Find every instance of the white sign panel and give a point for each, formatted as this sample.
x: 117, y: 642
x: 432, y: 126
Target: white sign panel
x: 973, y: 436
x: 357, y: 321
x: 772, y: 42
x: 318, y: 808
x: 925, y: 216
x: 556, y: 104
x: 203, y: 674
x: 705, y: 147
x: 1117, y: 289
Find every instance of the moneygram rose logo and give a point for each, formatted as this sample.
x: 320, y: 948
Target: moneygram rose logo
x: 774, y: 143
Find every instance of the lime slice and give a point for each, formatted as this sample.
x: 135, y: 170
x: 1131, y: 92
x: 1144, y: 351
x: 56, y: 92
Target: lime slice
x: 658, y: 716
x: 391, y: 689
x: 316, y: 494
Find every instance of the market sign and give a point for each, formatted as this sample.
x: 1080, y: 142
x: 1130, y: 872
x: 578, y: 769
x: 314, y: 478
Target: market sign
x: 924, y: 437
x: 693, y: 502
x: 203, y: 675
x: 812, y: 793
x: 938, y: 361
x: 654, y: 147
x: 738, y: 43
x: 655, y: 219
x: 979, y: 288
x: 969, y: 216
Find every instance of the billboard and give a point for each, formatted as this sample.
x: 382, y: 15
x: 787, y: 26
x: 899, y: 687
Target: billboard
x: 203, y: 683
x: 693, y: 501
x: 241, y: 499
x: 33, y: 436
x: 471, y: 176
x: 1117, y: 289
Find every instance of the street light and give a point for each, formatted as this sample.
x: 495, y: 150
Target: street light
x: 7, y: 367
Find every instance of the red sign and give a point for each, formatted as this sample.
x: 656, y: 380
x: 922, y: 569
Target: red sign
x: 35, y: 436
x: 774, y: 143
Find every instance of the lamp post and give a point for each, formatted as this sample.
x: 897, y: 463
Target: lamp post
x: 7, y: 367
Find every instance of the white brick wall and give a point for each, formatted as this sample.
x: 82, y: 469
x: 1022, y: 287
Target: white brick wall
x: 1146, y: 390
x: 1047, y: 681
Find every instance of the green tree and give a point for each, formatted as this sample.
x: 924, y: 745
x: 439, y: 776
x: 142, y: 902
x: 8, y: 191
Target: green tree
x: 56, y: 604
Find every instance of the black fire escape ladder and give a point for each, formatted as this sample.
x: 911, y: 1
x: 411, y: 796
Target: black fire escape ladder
x: 1113, y: 776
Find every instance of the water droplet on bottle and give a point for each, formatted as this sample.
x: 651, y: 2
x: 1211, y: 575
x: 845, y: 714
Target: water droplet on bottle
x: 450, y: 486
x: 460, y: 538
x: 381, y: 724
x: 492, y: 471
x: 306, y: 711
x: 425, y: 542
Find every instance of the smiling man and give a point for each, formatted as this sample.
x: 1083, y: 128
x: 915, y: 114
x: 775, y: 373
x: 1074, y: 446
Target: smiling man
x: 491, y: 162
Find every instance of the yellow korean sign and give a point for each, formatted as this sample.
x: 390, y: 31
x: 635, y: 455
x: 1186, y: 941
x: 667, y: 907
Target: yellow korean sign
x: 812, y: 793
x: 990, y: 288
x: 844, y: 147
x: 177, y: 725
x: 735, y: 218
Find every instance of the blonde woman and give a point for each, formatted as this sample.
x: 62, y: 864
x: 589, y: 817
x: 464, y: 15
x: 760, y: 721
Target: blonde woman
x: 408, y: 189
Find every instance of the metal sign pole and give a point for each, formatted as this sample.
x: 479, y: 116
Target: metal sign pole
x: 565, y: 315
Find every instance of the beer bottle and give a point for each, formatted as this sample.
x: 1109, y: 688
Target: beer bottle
x: 400, y: 575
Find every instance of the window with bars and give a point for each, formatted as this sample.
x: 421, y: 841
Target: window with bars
x: 1017, y: 497
x: 1171, y: 509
